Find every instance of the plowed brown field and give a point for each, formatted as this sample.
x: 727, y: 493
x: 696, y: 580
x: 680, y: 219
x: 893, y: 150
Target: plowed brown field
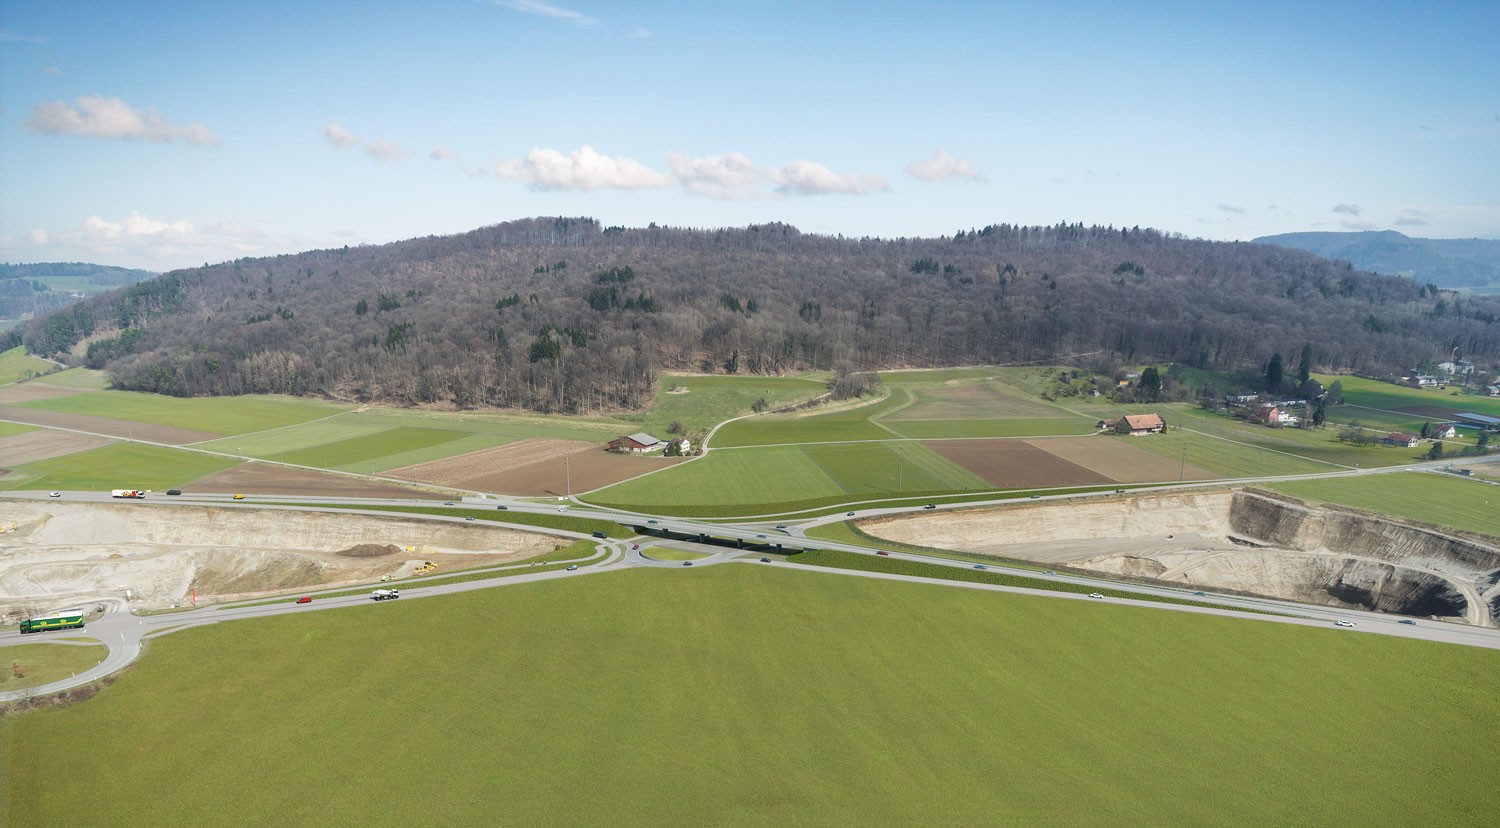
x: 105, y: 425
x: 43, y: 445
x: 1119, y: 459
x: 1015, y: 464
x: 266, y: 478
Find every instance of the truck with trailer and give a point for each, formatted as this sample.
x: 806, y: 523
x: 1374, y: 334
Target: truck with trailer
x: 64, y: 620
x: 130, y: 493
x: 385, y: 594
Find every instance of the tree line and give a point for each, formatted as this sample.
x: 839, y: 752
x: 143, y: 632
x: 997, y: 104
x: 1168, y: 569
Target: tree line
x: 564, y: 315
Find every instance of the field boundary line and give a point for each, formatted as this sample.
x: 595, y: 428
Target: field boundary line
x: 271, y: 430
x: 1263, y: 448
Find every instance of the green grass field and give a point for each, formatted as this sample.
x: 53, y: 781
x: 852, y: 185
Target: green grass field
x: 667, y: 553
x: 766, y: 697
x: 950, y: 429
x: 1228, y: 457
x: 838, y: 426
x: 215, y: 415
x: 43, y: 663
x: 122, y: 465
x: 7, y: 429
x: 16, y: 364
x: 1444, y: 499
x: 78, y: 378
x: 700, y: 403
x: 1319, y: 445
x: 1371, y: 393
x: 357, y: 452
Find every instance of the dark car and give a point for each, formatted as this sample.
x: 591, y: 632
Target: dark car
x: 687, y: 563
x: 781, y: 526
x: 600, y: 535
x: 651, y: 521
x: 882, y: 552
x: 1407, y: 621
x: 765, y: 560
x: 447, y: 503
x: 850, y: 514
x: 502, y: 508
x: 470, y: 517
x: 1036, y: 497
x: 174, y: 491
x: 306, y: 599
x: 1200, y: 593
x: 980, y: 566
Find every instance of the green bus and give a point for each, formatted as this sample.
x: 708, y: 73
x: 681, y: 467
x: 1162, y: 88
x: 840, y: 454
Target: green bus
x: 65, y: 620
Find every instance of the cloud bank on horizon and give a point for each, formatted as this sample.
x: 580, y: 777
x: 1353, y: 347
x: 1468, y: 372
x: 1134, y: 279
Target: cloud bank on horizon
x: 897, y: 125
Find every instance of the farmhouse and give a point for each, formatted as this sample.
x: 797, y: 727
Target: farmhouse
x: 1492, y: 390
x: 1136, y: 424
x: 1401, y: 438
x: 1443, y: 431
x: 637, y: 443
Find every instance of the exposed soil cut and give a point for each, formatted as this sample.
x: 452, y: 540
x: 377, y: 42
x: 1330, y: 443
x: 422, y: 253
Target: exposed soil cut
x: 266, y: 478
x: 105, y: 425
x: 63, y: 554
x: 1245, y: 541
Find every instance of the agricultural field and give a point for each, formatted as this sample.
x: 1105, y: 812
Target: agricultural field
x: 1320, y: 445
x: 10, y: 429
x: 1369, y: 393
x: 212, y: 415
x: 701, y: 402
x: 1228, y: 458
x: 135, y: 465
x: 977, y: 709
x: 16, y: 364
x: 389, y: 448
x: 855, y: 422
x: 78, y: 378
x: 1444, y: 499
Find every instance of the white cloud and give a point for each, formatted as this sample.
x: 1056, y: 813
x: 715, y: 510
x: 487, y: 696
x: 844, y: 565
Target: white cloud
x: 581, y: 169
x: 541, y: 9
x: 727, y: 176
x: 159, y: 243
x: 944, y: 167
x: 37, y: 235
x: 383, y: 150
x: 1230, y: 208
x: 101, y: 117
x: 338, y: 136
x: 442, y: 153
x: 811, y: 178
x: 1348, y: 209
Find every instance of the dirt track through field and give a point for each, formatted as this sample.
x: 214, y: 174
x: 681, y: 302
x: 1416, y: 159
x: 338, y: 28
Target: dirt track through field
x: 19, y: 449
x: 104, y: 425
x: 534, y: 467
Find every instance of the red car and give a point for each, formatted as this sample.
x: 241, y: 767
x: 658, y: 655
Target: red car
x: 306, y: 599
x: 882, y: 552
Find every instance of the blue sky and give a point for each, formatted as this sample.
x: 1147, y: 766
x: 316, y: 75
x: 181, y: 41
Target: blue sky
x: 166, y: 134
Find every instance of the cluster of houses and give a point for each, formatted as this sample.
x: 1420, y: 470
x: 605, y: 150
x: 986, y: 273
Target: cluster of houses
x: 1258, y: 409
x: 643, y: 443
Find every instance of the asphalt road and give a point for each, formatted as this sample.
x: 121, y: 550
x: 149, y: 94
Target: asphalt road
x: 123, y: 632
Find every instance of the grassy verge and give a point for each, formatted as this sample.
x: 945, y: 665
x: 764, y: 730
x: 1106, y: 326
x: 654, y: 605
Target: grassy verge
x: 1441, y: 499
x: 896, y: 566
x: 43, y: 663
x: 816, y: 507
x: 849, y: 702
x: 557, y: 521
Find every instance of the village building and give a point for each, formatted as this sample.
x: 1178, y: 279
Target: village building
x: 637, y: 443
x: 1138, y: 424
x: 1401, y: 438
x: 1443, y: 431
x: 1483, y: 421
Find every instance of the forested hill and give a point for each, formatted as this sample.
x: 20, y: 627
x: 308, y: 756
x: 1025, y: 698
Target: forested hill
x: 567, y: 315
x: 1443, y: 262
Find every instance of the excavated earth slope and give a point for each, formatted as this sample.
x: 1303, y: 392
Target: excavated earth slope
x: 1246, y: 541
x: 57, y: 554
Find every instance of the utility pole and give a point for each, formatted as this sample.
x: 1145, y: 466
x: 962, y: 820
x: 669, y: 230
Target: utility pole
x: 901, y: 470
x: 568, y: 472
x: 1182, y: 470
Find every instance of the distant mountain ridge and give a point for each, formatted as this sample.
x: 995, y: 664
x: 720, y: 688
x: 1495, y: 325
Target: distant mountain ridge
x: 1447, y: 263
x: 28, y: 290
x: 567, y: 315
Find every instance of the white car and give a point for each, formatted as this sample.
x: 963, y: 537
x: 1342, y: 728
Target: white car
x: 55, y: 494
x: 1095, y: 595
x: 1343, y: 623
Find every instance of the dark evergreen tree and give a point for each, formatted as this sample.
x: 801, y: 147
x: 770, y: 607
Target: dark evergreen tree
x: 1274, y: 375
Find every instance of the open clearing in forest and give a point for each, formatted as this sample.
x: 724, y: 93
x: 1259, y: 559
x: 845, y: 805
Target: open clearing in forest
x: 980, y: 708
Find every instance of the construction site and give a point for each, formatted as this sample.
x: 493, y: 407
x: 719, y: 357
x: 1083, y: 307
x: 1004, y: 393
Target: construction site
x: 1245, y: 541
x: 54, y: 554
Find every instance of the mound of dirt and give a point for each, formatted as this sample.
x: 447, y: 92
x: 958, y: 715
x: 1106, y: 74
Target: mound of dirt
x: 1243, y: 541
x: 369, y: 550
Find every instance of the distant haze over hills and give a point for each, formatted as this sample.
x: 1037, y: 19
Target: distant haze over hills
x: 28, y: 290
x: 1449, y: 263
